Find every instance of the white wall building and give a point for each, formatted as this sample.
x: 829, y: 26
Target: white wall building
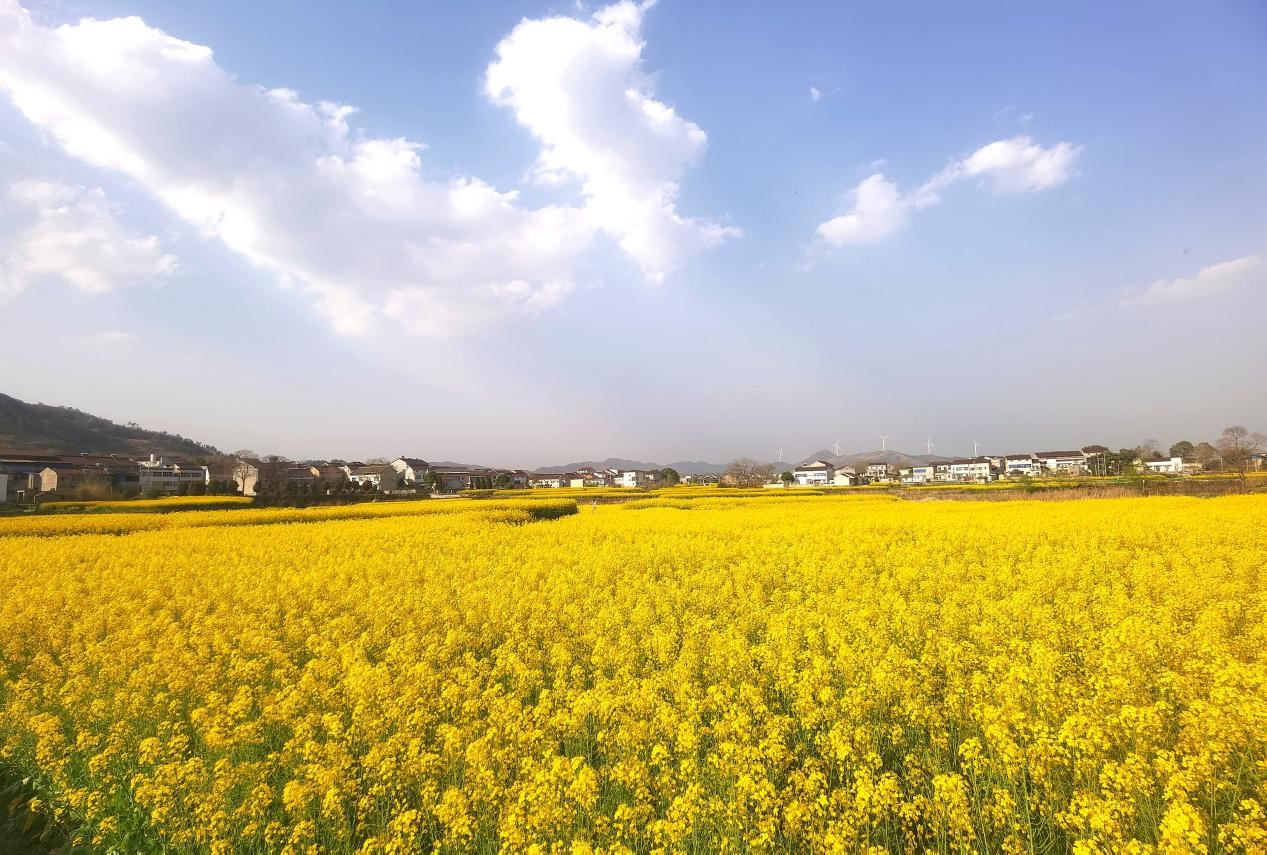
x: 1016, y: 465
x: 550, y: 481
x: 918, y: 474
x: 978, y: 469
x: 410, y: 469
x: 845, y: 477
x: 1165, y: 466
x: 637, y: 478
x: 159, y: 475
x: 881, y: 473
x: 1062, y: 462
x: 816, y: 473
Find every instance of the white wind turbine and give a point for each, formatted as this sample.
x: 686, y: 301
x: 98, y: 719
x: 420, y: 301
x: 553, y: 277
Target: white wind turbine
x: 780, y: 455
x: 976, y: 448
x: 884, y: 441
x: 837, y: 447
x: 928, y: 446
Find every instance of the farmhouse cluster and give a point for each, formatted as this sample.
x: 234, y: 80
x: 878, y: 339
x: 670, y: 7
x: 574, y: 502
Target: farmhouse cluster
x: 983, y: 468
x: 25, y: 476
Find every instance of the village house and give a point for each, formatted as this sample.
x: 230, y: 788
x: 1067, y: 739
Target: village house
x: 1018, y: 465
x: 64, y: 473
x: 845, y: 476
x: 333, y: 475
x: 973, y: 469
x: 816, y: 473
x: 636, y: 478
x: 169, y: 475
x: 881, y: 473
x: 1062, y: 462
x: 596, y: 477
x: 253, y: 476
x: 551, y: 480
x: 1167, y: 465
x: 381, y: 476
x: 922, y: 474
x: 410, y: 469
x: 453, y: 480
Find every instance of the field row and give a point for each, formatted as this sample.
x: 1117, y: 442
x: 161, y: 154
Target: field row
x: 765, y: 675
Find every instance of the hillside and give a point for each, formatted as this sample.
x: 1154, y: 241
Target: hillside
x: 41, y: 428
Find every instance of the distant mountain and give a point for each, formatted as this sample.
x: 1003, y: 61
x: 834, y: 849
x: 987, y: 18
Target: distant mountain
x: 683, y: 467
x: 449, y: 464
x: 609, y: 463
x: 863, y: 458
x: 41, y: 428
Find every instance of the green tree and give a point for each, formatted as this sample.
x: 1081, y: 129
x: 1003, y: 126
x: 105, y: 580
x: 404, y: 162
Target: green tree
x: 787, y: 477
x: 669, y: 476
x: 502, y: 481
x: 1183, y: 449
x: 1126, y: 461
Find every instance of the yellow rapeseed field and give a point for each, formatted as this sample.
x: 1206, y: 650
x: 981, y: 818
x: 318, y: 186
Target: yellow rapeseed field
x: 811, y: 674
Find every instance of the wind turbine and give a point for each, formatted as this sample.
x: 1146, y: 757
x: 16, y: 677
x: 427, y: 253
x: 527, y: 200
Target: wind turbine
x: 780, y: 455
x: 884, y: 441
x: 837, y: 447
x: 929, y: 445
x: 976, y: 448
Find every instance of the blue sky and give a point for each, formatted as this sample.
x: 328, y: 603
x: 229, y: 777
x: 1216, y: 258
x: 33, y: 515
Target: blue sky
x: 731, y: 229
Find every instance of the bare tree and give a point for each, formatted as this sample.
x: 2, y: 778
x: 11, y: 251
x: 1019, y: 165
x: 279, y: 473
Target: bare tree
x: 244, y: 467
x: 273, y: 475
x: 1205, y: 454
x: 1237, y: 446
x: 746, y: 472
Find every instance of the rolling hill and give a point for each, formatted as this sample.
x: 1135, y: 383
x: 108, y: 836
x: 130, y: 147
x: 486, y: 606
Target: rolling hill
x: 41, y: 428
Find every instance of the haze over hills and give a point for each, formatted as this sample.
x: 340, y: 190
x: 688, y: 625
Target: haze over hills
x: 862, y: 458
x: 41, y: 428
x: 702, y: 467
x: 683, y: 467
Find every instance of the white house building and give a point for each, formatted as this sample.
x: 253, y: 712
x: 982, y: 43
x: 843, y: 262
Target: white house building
x: 1165, y: 465
x: 845, y: 477
x: 636, y: 478
x: 976, y: 469
x: 816, y: 473
x: 167, y: 476
x: 1016, y: 465
x: 551, y: 480
x: 4, y: 486
x: 881, y: 473
x: 1062, y: 462
x: 917, y: 474
x: 410, y: 469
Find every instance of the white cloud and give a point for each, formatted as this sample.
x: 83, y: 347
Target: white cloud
x: 1020, y: 165
x: 352, y: 220
x: 1212, y: 281
x: 815, y: 94
x: 1025, y: 118
x: 71, y: 234
x: 878, y: 209
x: 579, y: 87
x: 1016, y: 165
